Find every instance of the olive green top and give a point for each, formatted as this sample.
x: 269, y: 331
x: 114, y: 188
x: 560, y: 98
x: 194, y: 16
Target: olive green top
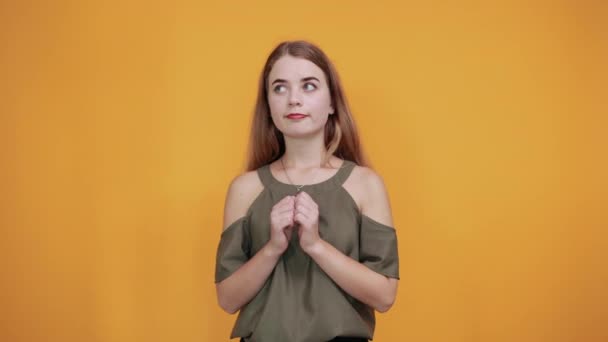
x: 299, y: 302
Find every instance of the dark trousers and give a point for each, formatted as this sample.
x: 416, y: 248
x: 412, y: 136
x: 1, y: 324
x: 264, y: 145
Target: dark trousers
x: 340, y: 339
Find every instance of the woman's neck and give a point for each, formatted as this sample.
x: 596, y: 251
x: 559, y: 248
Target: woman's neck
x: 303, y: 154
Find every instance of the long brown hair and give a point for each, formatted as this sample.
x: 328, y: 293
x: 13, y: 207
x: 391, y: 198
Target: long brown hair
x: 266, y: 142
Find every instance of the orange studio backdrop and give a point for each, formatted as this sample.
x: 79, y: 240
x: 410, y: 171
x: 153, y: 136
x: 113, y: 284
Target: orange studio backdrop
x: 123, y: 122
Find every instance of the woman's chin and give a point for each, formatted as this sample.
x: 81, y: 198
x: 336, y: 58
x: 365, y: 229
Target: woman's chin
x: 302, y: 134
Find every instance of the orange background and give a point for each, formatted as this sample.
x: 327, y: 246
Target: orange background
x: 122, y: 124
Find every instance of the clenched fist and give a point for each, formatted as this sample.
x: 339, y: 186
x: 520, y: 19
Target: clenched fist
x: 281, y: 224
x: 299, y: 212
x: 306, y: 215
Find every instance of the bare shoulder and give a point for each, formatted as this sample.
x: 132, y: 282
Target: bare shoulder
x: 369, y: 191
x: 243, y: 190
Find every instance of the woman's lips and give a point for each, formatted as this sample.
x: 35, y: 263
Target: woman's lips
x: 296, y: 116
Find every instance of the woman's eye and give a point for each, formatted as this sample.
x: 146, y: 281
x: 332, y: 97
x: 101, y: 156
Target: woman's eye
x: 279, y: 88
x: 310, y: 86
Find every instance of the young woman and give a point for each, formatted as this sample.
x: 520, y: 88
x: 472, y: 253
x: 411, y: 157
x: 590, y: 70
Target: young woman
x: 308, y: 252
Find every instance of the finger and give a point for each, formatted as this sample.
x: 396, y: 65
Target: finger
x: 283, y: 211
x: 301, y: 201
x: 304, y: 197
x: 301, y: 217
x: 276, y: 219
x: 288, y: 217
x: 304, y: 206
x: 286, y: 201
x: 305, y: 210
x: 304, y: 194
x: 285, y: 224
x: 302, y: 221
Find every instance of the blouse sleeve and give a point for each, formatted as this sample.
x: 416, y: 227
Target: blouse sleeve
x: 378, y: 247
x: 233, y: 250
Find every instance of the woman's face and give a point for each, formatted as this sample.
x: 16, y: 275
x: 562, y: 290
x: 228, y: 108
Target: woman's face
x: 298, y: 96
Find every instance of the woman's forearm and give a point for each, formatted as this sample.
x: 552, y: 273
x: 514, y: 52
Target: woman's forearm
x: 369, y: 287
x: 241, y: 286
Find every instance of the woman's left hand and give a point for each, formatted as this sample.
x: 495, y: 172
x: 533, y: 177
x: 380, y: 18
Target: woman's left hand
x: 307, y: 215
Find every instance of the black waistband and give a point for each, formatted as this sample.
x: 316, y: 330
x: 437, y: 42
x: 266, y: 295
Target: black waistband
x: 339, y: 339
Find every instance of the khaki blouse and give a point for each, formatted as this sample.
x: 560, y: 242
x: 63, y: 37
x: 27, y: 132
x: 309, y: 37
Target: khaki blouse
x: 299, y: 302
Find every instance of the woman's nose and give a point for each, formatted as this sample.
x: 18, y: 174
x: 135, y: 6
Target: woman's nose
x: 294, y: 98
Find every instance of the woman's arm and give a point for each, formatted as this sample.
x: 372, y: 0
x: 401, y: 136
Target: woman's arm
x: 374, y: 289
x: 371, y: 288
x: 242, y: 285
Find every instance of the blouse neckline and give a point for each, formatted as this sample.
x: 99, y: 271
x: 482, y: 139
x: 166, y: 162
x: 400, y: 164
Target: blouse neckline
x: 335, y: 180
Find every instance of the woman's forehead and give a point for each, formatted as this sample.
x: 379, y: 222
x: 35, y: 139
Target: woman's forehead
x: 294, y: 69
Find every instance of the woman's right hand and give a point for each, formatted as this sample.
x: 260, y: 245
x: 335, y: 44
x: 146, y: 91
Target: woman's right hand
x: 281, y: 225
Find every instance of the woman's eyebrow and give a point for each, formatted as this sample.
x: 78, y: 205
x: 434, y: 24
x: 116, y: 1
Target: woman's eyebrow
x: 305, y: 79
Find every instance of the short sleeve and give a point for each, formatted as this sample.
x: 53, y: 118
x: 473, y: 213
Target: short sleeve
x: 378, y: 247
x: 233, y: 250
